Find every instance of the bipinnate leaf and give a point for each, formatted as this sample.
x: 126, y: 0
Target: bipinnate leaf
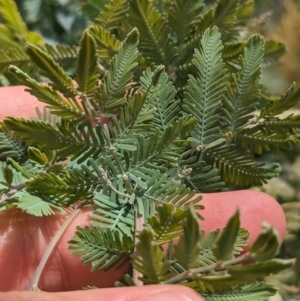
x: 240, y: 102
x: 64, y: 107
x: 266, y: 245
x: 36, y: 155
x: 35, y: 132
x: 149, y: 259
x: 12, y: 18
x: 258, y: 291
x: 37, y: 205
x: 257, y: 271
x: 167, y: 225
x: 223, y: 16
x: 153, y: 28
x: 52, y: 70
x: 225, y: 244
x: 8, y: 175
x: 10, y: 145
x: 187, y: 249
x: 107, y: 44
x: 10, y: 179
x: 287, y: 101
x: 204, y: 93
x: 244, y: 12
x: 113, y: 15
x: 183, y: 16
x: 102, y: 248
x: 238, y: 167
x: 116, y: 82
x: 13, y: 56
x: 87, y: 65
x: 273, y: 51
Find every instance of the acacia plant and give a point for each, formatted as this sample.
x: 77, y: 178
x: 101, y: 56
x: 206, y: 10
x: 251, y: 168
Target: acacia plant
x: 162, y: 101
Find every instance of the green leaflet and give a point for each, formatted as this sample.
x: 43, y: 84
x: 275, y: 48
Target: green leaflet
x: 91, y: 8
x: 104, y: 249
x: 16, y: 56
x: 13, y: 20
x: 110, y: 95
x: 64, y: 185
x: 188, y: 246
x: 240, y: 101
x: 161, y: 99
x: 179, y: 95
x: 225, y: 243
x: 237, y: 167
x: 149, y: 259
x: 273, y: 51
x: 222, y: 15
x: 154, y: 41
x: 114, y: 13
x: 107, y: 44
x: 203, y: 177
x: 183, y: 16
x: 257, y: 271
x: 168, y: 225
x: 87, y: 65
x: 249, y: 292
x: 10, y: 145
x: 266, y: 245
x: 50, y: 69
x: 58, y: 104
x: 37, y: 205
x: 244, y: 12
x: 287, y: 101
x: 204, y: 93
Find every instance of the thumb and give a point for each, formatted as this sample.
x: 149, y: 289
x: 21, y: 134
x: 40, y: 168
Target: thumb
x: 135, y: 293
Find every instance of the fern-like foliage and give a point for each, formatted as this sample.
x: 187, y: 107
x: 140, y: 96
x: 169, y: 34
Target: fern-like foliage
x: 113, y: 15
x: 105, y: 248
x: 160, y: 104
x: 182, y: 263
x: 154, y: 41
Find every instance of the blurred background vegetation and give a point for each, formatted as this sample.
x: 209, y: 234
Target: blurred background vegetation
x: 62, y: 21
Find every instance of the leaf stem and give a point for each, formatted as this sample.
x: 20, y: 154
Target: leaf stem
x: 218, y: 265
x: 33, y: 286
x: 139, y: 222
x: 11, y: 192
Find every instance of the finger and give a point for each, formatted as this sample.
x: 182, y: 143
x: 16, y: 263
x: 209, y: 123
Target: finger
x: 23, y: 241
x: 141, y: 293
x: 15, y: 101
x: 25, y: 238
x: 255, y: 208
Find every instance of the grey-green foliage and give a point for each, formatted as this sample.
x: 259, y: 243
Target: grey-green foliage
x: 153, y: 114
x: 183, y: 263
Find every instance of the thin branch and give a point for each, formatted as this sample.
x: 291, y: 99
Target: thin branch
x: 11, y: 192
x: 218, y: 265
x: 33, y: 286
x: 139, y: 223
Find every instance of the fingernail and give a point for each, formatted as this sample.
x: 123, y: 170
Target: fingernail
x: 168, y: 296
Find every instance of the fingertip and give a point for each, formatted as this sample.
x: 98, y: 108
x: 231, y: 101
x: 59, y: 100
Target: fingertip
x: 15, y: 101
x: 135, y: 293
x: 255, y: 208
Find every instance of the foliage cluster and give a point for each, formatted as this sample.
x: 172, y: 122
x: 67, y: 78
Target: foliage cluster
x: 162, y: 100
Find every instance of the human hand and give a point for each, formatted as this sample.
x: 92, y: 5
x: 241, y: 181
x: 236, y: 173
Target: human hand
x: 24, y: 238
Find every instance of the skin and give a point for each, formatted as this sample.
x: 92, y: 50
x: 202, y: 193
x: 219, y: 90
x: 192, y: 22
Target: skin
x: 24, y: 238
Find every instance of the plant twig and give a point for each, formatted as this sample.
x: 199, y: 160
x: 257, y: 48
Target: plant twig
x: 11, y: 192
x: 33, y: 286
x: 139, y: 222
x: 189, y: 273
